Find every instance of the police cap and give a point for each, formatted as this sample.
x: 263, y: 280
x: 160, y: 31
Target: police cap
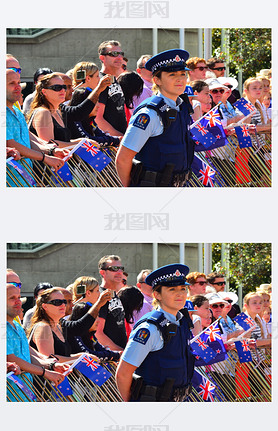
x: 171, y: 60
x: 168, y: 275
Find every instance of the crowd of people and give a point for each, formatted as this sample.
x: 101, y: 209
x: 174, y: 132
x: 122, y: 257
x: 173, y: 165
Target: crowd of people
x: 142, y: 112
x: 145, y: 328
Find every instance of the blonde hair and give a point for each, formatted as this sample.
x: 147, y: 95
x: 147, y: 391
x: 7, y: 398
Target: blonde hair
x: 246, y: 301
x: 246, y: 86
x: 89, y: 67
x: 90, y: 282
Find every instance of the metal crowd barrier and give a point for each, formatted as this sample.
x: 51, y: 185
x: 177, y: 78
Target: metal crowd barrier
x: 234, y: 167
x: 234, y: 381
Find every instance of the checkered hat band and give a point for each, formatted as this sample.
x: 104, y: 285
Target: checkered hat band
x: 167, y: 63
x: 168, y: 277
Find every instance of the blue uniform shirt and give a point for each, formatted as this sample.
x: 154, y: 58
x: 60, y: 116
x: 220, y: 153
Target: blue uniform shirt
x: 137, y: 134
x: 146, y: 338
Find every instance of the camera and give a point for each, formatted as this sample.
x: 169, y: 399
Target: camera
x: 81, y: 289
x: 80, y: 75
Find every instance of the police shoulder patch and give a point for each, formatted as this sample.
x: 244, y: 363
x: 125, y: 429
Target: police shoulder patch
x: 142, y: 121
x: 142, y: 336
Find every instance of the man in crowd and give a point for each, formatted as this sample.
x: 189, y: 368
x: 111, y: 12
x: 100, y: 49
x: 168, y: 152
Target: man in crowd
x: 18, y: 349
x: 111, y: 328
x: 198, y: 69
x: 17, y: 133
x: 216, y: 279
x: 216, y: 66
x: 198, y: 283
x: 146, y: 75
x: 147, y: 292
x: 111, y: 113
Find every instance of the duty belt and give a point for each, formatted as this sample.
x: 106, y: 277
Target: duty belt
x: 155, y: 393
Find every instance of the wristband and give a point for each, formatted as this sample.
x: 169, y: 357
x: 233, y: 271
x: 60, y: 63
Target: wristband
x: 52, y: 365
x: 43, y: 371
x: 53, y: 356
x: 51, y: 141
x: 51, y: 151
x: 43, y: 157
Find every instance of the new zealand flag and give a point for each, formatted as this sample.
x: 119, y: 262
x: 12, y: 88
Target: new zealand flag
x: 93, y: 370
x: 94, y: 157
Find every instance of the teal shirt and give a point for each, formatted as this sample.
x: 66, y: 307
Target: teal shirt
x: 17, y: 129
x: 17, y: 344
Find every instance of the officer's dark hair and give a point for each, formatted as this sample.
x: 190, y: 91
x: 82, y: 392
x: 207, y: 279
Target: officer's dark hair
x: 213, y: 275
x: 104, y: 259
x: 198, y: 85
x: 211, y: 62
x: 132, y: 299
x: 198, y: 300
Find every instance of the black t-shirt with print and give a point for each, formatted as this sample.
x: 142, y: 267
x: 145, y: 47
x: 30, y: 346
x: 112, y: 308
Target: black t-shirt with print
x: 113, y: 99
x: 114, y: 315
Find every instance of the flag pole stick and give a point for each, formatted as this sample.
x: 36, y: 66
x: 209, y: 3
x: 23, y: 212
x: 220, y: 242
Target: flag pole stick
x: 74, y: 364
x: 74, y: 149
x: 240, y: 337
x: 196, y: 122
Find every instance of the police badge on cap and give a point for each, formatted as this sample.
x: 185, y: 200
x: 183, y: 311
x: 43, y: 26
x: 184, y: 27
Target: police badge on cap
x: 168, y: 275
x: 171, y: 60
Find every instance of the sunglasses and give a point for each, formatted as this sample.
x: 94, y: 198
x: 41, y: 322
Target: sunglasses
x: 56, y: 87
x: 202, y: 283
x: 202, y: 68
x: 215, y: 91
x: 220, y: 283
x: 217, y: 305
x: 15, y: 69
x: 229, y: 86
x: 219, y: 68
x: 114, y: 268
x: 114, y: 53
x: 57, y: 302
x: 16, y: 284
x: 229, y: 301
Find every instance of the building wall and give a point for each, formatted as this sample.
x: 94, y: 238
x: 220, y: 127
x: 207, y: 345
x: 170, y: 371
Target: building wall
x: 61, y: 264
x: 61, y: 49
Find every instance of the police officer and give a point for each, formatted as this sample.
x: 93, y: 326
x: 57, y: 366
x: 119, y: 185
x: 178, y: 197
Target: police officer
x: 157, y: 149
x: 157, y: 364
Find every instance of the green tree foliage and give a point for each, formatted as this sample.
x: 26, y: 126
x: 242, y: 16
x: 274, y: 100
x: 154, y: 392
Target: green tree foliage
x: 249, y: 264
x: 249, y: 49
